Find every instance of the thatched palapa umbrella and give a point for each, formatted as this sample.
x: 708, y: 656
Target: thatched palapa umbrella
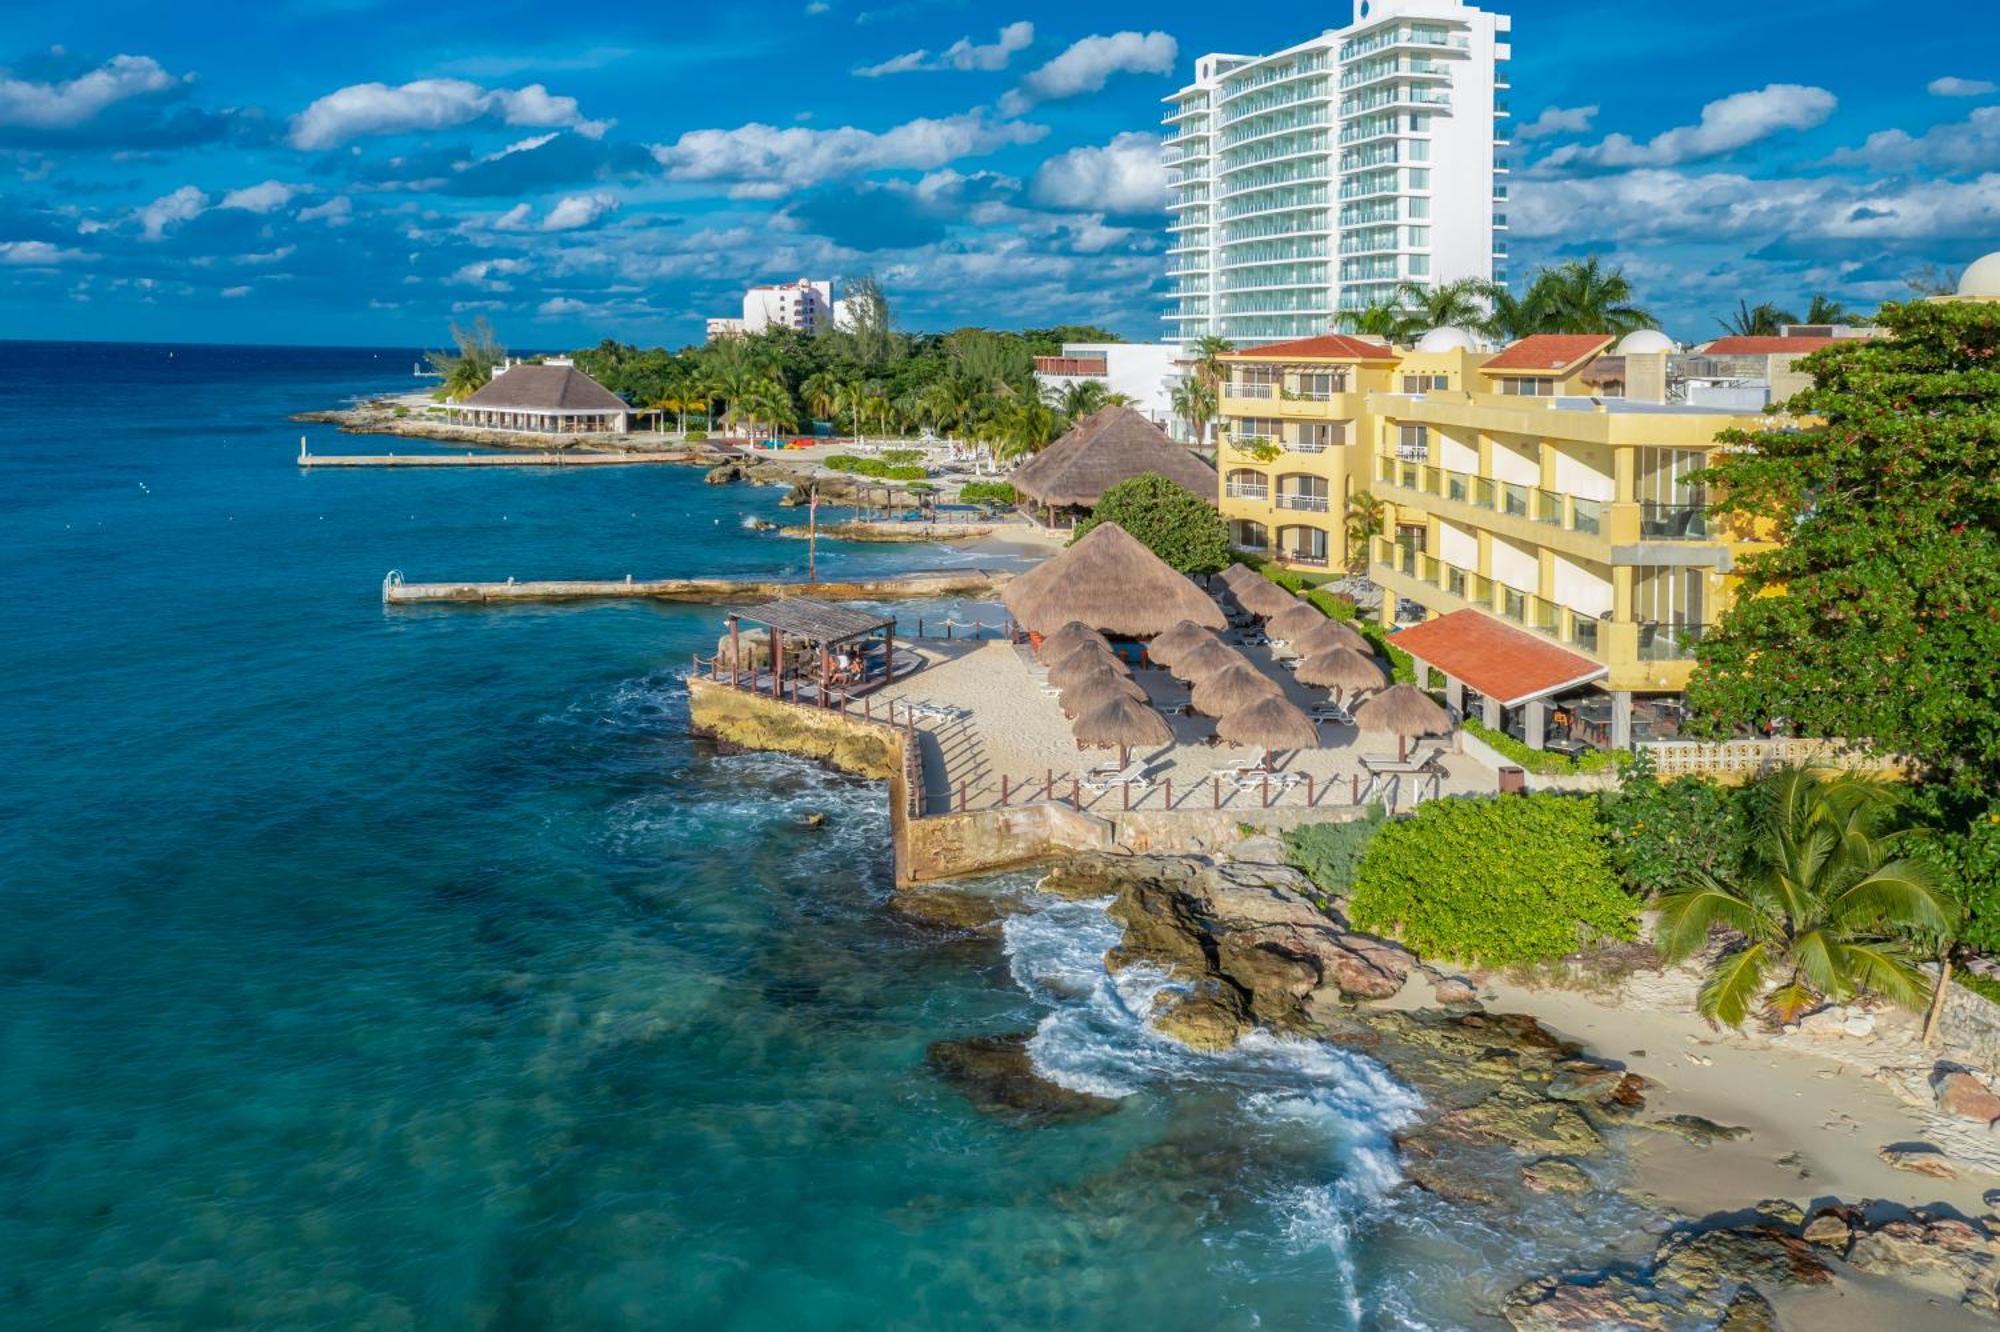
x: 1330, y: 634
x: 1176, y: 641
x: 1205, y: 659
x: 1081, y: 665
x: 1294, y: 622
x: 1232, y: 688
x: 1111, y: 582
x: 1236, y: 573
x: 1406, y: 710
x: 1263, y: 597
x: 1122, y: 722
x: 1093, y: 690
x: 1341, y: 669
x: 1066, y: 639
x: 1268, y: 723
x: 1082, y: 650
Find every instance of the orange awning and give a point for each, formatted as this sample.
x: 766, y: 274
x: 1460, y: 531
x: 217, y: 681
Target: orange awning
x: 1502, y: 662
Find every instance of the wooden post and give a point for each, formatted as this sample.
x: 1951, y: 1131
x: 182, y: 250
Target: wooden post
x: 1168, y: 784
x: 777, y: 664
x: 889, y: 654
x: 1049, y: 787
x: 1003, y: 790
x: 825, y: 674
x: 1355, y: 780
x: 1125, y: 792
x: 1075, y: 792
x: 867, y: 708
x: 1217, y: 786
x: 1267, y: 790
x: 735, y: 652
x: 1309, y: 790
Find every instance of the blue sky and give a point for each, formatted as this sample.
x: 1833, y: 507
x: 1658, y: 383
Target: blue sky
x: 356, y: 172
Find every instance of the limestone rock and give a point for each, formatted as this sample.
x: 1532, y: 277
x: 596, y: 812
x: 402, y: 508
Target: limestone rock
x: 723, y: 474
x: 1829, y: 1229
x: 1749, y: 1311
x: 952, y: 909
x: 1455, y: 990
x: 1919, y: 1158
x: 1961, y: 1094
x: 1519, y: 1118
x: 998, y: 1077
x: 1550, y: 1305
x: 1211, y: 1017
x: 1701, y: 1132
x: 1716, y: 1260
x: 1554, y: 1174
x: 1452, y: 1186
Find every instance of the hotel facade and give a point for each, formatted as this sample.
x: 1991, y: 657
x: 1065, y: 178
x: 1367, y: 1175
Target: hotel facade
x: 1317, y: 179
x: 1540, y: 542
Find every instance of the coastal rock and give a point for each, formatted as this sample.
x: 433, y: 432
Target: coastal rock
x: 1455, y: 990
x: 954, y: 910
x: 1210, y: 1017
x: 723, y: 474
x: 998, y: 1076
x: 1964, y: 1096
x: 1551, y: 1305
x: 1582, y: 1081
x: 1701, y: 1132
x: 1831, y: 1228
x: 1452, y: 1186
x: 1518, y: 1117
x: 1749, y: 1312
x: 1554, y: 1174
x: 1967, y: 1251
x: 1919, y: 1158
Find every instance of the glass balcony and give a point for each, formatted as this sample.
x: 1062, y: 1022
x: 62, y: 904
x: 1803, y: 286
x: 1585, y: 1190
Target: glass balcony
x: 1669, y: 640
x: 1514, y: 499
x: 1583, y: 633
x: 1587, y: 515
x: 1673, y: 522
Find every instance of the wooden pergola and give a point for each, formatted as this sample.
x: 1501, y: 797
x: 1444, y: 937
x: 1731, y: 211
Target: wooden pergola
x: 824, y: 628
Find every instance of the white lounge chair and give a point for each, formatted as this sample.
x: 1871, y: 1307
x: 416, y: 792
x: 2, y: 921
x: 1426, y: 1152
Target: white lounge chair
x: 1331, y: 712
x: 940, y: 712
x: 1101, y: 780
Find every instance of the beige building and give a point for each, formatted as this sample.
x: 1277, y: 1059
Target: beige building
x: 1538, y: 520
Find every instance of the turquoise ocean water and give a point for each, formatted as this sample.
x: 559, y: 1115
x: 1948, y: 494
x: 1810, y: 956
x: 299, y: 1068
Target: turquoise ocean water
x: 417, y: 970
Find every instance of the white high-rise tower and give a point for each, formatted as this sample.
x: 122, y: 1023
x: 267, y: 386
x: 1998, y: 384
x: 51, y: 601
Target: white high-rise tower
x: 1317, y: 179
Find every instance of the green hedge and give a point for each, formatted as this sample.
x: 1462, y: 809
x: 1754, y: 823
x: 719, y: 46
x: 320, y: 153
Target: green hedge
x: 987, y: 492
x: 1328, y: 853
x: 1665, y: 835
x: 695, y: 436
x: 1503, y: 880
x: 1540, y: 760
x: 878, y: 468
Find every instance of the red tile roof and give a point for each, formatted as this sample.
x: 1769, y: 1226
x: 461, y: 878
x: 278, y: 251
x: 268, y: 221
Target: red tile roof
x: 1500, y: 661
x: 1548, y: 351
x: 1765, y: 346
x: 1327, y: 346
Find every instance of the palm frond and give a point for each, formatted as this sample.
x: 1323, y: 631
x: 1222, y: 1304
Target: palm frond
x: 1886, y: 970
x: 1687, y: 916
x: 1731, y: 988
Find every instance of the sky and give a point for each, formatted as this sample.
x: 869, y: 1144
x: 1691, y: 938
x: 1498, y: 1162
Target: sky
x: 355, y: 172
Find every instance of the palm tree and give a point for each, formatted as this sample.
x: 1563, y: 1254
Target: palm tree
x: 465, y: 371
x: 1387, y: 320
x: 851, y: 401
x: 818, y: 391
x: 1209, y: 350
x: 767, y: 402
x: 953, y: 403
x: 1462, y: 303
x: 1826, y: 310
x: 1583, y: 296
x: 1079, y: 398
x: 1821, y: 904
x: 1193, y: 400
x: 1362, y: 523
x: 1025, y: 425
x: 732, y: 369
x: 1516, y: 317
x: 1764, y: 320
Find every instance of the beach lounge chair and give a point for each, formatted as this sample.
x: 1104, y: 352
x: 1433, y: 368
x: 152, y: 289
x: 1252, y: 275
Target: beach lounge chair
x: 1100, y: 780
x: 1331, y: 712
x: 940, y: 712
x: 1257, y: 781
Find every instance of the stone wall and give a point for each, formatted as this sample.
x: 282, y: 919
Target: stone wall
x: 947, y: 846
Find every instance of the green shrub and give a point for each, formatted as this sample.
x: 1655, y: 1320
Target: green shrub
x: 1540, y: 760
x: 987, y: 492
x: 695, y: 436
x: 904, y: 473
x: 1327, y: 853
x: 1181, y: 528
x: 841, y: 462
x: 902, y: 457
x: 1503, y: 880
x: 1665, y: 835
x: 1986, y: 987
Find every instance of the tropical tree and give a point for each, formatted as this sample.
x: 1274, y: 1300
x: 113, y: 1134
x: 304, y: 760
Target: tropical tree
x: 1388, y: 320
x: 734, y: 367
x: 1362, y: 523
x: 1461, y: 303
x: 1194, y: 401
x: 1209, y: 350
x: 1823, y: 904
x: 818, y: 391
x: 1583, y: 296
x: 852, y: 402
x: 1024, y: 425
x: 1757, y: 321
x: 1180, y: 527
x: 1078, y: 398
x: 1826, y: 310
x: 465, y: 371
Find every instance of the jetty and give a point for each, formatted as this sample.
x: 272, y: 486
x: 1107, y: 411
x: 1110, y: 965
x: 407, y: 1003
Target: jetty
x: 567, y: 458
x: 911, y: 586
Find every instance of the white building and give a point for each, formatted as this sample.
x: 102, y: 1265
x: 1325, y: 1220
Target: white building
x: 804, y: 305
x: 1314, y: 180
x: 1145, y: 372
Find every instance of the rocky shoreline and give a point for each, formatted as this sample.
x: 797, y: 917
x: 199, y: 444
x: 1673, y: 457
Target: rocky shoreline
x: 1511, y: 1109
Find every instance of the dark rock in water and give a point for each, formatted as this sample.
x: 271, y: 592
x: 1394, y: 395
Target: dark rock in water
x: 1701, y: 1132
x: 1212, y: 1016
x: 762, y: 525
x: 797, y: 497
x: 998, y: 1077
x: 1554, y: 1174
x: 813, y: 819
x: 1517, y: 1117
x: 724, y: 473
x: 1749, y: 1312
x: 1450, y: 1185
x: 952, y: 909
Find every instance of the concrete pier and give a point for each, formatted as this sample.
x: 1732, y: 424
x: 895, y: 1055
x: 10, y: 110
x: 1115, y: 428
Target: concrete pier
x: 396, y: 591
x: 560, y: 459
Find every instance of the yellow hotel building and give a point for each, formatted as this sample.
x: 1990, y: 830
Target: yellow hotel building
x: 1541, y: 545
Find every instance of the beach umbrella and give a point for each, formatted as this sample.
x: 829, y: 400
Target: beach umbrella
x: 1066, y: 639
x: 1122, y: 722
x: 1231, y: 688
x: 1093, y: 690
x: 1176, y: 641
x: 1341, y: 668
x: 1329, y: 634
x: 1084, y: 648
x: 1263, y: 597
x: 1268, y: 723
x: 1205, y: 659
x: 1237, y: 573
x: 1295, y: 621
x: 1080, y: 665
x: 1405, y: 710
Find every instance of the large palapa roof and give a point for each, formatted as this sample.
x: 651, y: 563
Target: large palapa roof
x: 1110, y: 445
x: 546, y: 388
x: 1111, y: 582
x: 815, y: 620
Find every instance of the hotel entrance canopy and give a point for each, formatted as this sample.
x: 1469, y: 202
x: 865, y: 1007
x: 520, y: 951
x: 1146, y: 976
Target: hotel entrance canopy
x: 1508, y: 665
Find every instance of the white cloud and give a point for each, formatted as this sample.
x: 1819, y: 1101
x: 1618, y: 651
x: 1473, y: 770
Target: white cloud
x: 561, y: 305
x: 780, y: 159
x: 488, y: 273
x: 71, y: 103
x: 265, y: 198
x: 1124, y: 176
x: 1972, y: 144
x: 1953, y: 86
x: 579, y: 211
x: 1558, y: 120
x: 182, y: 205
x: 818, y: 7
x: 334, y: 212
x: 231, y: 293
x: 1728, y: 123
x: 431, y: 104
x: 36, y: 254
x: 518, y: 218
x: 963, y: 54
x: 1088, y: 64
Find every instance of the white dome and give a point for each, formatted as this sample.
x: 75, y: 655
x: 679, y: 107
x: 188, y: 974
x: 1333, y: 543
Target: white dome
x: 1982, y: 277
x: 1643, y: 342
x: 1447, y: 338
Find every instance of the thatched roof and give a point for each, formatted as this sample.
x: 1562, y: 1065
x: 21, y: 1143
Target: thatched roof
x: 1205, y: 659
x: 1110, y: 445
x: 1111, y: 582
x: 1268, y: 723
x: 1295, y: 620
x: 1080, y: 648
x: 1082, y: 663
x: 1086, y: 692
x: 1119, y: 722
x: 1064, y: 640
x: 1177, y: 640
x: 1341, y: 668
x: 1232, y: 688
x: 546, y: 388
x: 814, y: 620
x: 1403, y: 710
x: 1330, y: 634
x: 1262, y: 597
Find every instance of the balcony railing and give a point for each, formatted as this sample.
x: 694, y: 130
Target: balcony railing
x: 1258, y: 493
x: 1572, y: 513
x: 1516, y: 604
x: 1673, y: 522
x: 1669, y: 640
x: 1291, y: 499
x: 1241, y: 390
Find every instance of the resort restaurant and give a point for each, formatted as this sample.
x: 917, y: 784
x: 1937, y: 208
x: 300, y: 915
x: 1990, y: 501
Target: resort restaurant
x: 811, y: 651
x: 552, y: 398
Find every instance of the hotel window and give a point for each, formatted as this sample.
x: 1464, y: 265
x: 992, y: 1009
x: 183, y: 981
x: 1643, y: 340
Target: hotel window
x: 1256, y: 427
x: 1420, y: 150
x: 1420, y: 122
x: 1319, y: 385
x: 1413, y: 443
x: 1317, y: 436
x: 1257, y: 381
x: 1420, y: 265
x: 1420, y: 238
x: 1422, y: 384
x: 1420, y: 209
x: 1516, y: 387
x: 1420, y: 179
